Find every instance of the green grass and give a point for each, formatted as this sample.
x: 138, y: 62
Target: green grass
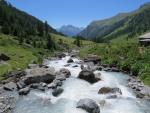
x: 69, y: 41
x: 20, y: 56
x: 124, y: 54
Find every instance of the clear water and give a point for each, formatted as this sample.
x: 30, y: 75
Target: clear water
x: 76, y: 89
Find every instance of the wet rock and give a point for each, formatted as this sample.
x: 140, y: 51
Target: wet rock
x: 82, y: 67
x: 73, y: 55
x: 24, y: 91
x: 61, y: 77
x: 70, y: 61
x: 108, y: 69
x: 88, y: 76
x: 7, y: 103
x: 57, y: 82
x: 106, y: 90
x: 38, y: 86
x: 60, y: 55
x: 92, y: 58
x: 88, y: 105
x: 31, y: 66
x: 10, y: 86
x: 145, y: 91
x: 38, y: 75
x: 75, y: 66
x: 20, y: 84
x: 43, y: 84
x: 114, y: 69
x: 56, y: 92
x: 67, y: 65
x: 41, y: 88
x: 34, y: 86
x: 99, y: 68
x: 16, y: 74
x: 64, y: 72
x: 4, y: 57
x: 52, y: 85
x: 139, y: 95
x: 111, y: 97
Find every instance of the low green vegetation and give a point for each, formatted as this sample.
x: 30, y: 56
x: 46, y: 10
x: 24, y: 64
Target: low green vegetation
x: 124, y: 53
x: 19, y: 56
x: 23, y: 54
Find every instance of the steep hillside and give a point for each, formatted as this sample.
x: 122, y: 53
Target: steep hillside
x: 103, y: 27
x: 19, y: 23
x: 69, y: 30
x: 132, y: 23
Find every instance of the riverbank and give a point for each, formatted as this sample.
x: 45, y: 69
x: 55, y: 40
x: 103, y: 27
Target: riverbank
x: 44, y: 77
x: 124, y: 54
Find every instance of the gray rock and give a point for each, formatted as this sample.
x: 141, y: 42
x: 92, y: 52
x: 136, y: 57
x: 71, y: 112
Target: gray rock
x: 38, y: 86
x: 145, y: 91
x: 88, y: 76
x: 24, y: 91
x: 31, y: 66
x: 88, y: 105
x: 52, y: 85
x: 64, y: 72
x: 43, y: 84
x: 111, y: 97
x: 75, y: 66
x: 16, y: 74
x: 7, y: 103
x: 56, y: 92
x: 106, y: 90
x: 70, y: 61
x: 60, y: 55
x: 38, y: 75
x: 57, y: 82
x: 10, y: 86
x: 67, y: 65
x: 61, y: 77
x: 4, y: 57
x: 92, y: 58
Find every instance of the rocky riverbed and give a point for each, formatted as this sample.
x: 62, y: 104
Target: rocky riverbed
x: 66, y: 84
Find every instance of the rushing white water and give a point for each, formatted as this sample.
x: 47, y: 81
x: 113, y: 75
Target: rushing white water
x: 76, y: 89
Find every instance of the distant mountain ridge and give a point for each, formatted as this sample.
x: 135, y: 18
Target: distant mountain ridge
x: 131, y: 24
x: 69, y: 30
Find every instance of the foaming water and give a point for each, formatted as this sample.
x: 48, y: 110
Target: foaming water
x: 76, y: 89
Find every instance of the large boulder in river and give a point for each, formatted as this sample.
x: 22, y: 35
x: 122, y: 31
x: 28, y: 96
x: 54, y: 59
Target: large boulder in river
x: 10, y: 86
x: 4, y: 57
x: 64, y: 72
x: 88, y: 76
x: 70, y: 61
x: 38, y: 75
x: 106, y: 90
x: 88, y: 105
x: 24, y: 91
x: 92, y: 58
x: 56, y: 92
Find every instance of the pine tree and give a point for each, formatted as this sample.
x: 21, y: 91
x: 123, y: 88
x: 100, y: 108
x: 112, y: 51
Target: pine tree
x: 46, y: 28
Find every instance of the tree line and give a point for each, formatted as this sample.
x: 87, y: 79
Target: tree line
x: 25, y: 27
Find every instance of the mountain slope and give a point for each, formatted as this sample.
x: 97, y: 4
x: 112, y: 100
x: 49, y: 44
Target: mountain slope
x: 121, y: 24
x: 102, y: 27
x: 69, y: 30
x: 16, y: 22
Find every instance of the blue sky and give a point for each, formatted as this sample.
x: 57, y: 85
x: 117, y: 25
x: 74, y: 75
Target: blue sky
x: 75, y: 12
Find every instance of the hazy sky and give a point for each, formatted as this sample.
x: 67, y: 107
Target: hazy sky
x: 76, y: 12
